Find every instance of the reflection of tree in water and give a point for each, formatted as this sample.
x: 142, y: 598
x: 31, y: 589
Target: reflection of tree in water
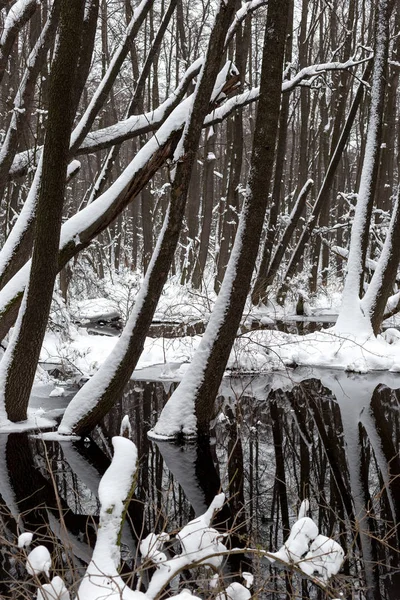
x: 345, y: 444
x: 334, y: 440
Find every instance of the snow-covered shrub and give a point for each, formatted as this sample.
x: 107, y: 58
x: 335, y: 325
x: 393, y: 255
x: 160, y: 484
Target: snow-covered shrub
x: 201, y: 545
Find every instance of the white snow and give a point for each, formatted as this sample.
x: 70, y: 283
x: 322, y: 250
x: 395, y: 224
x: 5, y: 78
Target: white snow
x: 102, y: 579
x: 324, y: 558
x: 234, y: 591
x: 55, y: 590
x: 89, y: 113
x: 126, y: 429
x: 199, y: 540
x: 298, y: 542
x: 57, y: 392
x: 316, y: 555
x: 353, y: 318
x: 14, y: 16
x: 39, y: 561
x: 116, y: 482
x: 24, y: 539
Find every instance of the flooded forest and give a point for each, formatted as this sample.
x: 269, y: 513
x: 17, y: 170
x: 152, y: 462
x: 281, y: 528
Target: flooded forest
x: 199, y: 299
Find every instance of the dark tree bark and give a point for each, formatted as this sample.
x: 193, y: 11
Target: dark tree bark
x: 23, y: 245
x: 201, y: 382
x: 136, y: 104
x: 326, y: 184
x: 281, y: 248
x: 261, y: 283
x: 12, y: 33
x: 190, y: 231
x: 24, y: 349
x: 206, y: 209
x: 91, y: 404
x: 24, y: 97
x: 230, y: 217
x: 108, y: 80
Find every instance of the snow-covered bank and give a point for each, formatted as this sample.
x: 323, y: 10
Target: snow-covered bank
x: 253, y: 352
x: 85, y: 353
x: 328, y: 349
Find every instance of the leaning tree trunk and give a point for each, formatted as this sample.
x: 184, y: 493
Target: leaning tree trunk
x: 190, y: 408
x: 19, y: 363
x: 96, y: 398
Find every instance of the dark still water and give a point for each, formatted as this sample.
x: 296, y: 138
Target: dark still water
x: 331, y: 437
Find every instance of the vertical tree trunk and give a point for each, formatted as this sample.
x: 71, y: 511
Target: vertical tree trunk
x: 19, y: 364
x: 207, y: 208
x: 261, y: 284
x: 327, y: 182
x: 232, y: 202
x: 351, y: 317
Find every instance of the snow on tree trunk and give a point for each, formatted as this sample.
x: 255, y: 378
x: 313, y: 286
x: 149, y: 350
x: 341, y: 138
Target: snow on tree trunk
x: 116, y: 487
x: 99, y: 394
x: 374, y: 302
x: 190, y: 407
x: 352, y: 318
x: 20, y: 360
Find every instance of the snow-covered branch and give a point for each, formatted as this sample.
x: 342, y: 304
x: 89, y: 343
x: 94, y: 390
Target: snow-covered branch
x: 140, y: 124
x: 246, y: 9
x: 17, y: 16
x: 98, y: 99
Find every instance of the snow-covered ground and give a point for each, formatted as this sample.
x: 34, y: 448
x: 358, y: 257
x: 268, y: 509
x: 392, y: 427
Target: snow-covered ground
x: 254, y: 351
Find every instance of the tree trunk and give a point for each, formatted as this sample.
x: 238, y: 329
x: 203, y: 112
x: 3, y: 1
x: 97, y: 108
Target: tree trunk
x: 206, y: 209
x: 351, y: 317
x: 96, y: 398
x: 261, y: 283
x: 327, y: 182
x: 199, y: 387
x: 19, y: 363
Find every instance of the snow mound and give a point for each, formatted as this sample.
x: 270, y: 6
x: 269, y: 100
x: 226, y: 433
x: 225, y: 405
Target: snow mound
x: 324, y: 558
x: 39, y: 561
x: 316, y: 555
x: 55, y: 590
x: 24, y: 539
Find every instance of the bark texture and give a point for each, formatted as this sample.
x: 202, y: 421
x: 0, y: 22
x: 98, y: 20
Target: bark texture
x: 24, y: 349
x: 104, y: 389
